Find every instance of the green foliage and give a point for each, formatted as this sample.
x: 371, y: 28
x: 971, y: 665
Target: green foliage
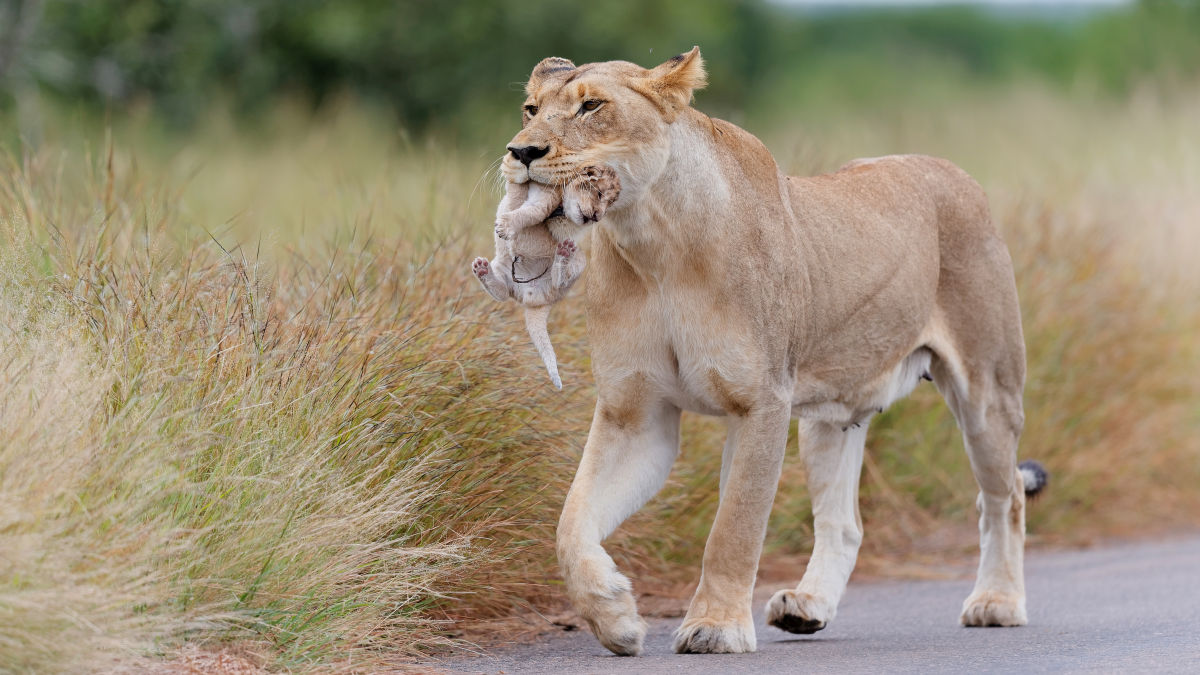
x: 450, y: 65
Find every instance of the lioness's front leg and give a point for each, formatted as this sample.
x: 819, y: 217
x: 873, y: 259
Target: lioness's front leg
x: 630, y: 449
x: 719, y: 619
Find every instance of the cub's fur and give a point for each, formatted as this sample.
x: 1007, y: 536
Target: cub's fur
x: 537, y: 261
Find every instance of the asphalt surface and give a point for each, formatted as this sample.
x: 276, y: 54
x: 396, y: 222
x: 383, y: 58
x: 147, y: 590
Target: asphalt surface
x: 1128, y: 608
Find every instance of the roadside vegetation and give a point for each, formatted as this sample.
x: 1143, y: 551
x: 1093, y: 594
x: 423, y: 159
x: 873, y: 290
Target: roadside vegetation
x: 250, y: 395
x: 250, y: 392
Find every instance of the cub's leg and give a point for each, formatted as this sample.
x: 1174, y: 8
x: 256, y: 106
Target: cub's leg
x: 568, y: 265
x: 515, y: 194
x: 632, y: 444
x: 834, y: 461
x: 541, y: 202
x: 493, y: 278
x: 719, y: 619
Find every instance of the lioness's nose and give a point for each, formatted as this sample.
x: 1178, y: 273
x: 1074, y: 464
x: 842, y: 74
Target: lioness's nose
x: 528, y: 153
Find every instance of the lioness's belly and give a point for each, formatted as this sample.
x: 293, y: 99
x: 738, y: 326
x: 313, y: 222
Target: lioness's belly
x: 716, y: 366
x: 699, y: 386
x: 818, y: 401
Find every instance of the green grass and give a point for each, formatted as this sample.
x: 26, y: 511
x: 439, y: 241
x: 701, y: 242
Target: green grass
x: 249, y: 392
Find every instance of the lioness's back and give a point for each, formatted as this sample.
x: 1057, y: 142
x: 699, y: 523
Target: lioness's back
x: 959, y: 203
x: 915, y: 202
x: 889, y: 233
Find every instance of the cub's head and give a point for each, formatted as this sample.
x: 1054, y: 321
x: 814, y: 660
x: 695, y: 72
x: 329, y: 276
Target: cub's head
x: 615, y: 113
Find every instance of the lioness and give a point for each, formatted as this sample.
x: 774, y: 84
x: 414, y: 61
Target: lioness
x: 721, y: 286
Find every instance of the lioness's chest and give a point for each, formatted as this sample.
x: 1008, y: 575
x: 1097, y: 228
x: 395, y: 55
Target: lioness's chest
x: 711, y: 360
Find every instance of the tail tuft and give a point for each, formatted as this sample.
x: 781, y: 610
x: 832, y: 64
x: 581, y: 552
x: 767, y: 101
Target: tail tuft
x: 1034, y: 476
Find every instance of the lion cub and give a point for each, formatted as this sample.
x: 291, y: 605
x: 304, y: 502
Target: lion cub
x: 537, y: 260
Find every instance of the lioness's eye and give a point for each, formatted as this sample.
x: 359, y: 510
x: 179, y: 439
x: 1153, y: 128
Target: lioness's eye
x: 531, y: 110
x: 590, y: 105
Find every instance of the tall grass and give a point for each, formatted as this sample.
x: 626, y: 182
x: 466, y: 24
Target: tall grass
x: 192, y: 447
x: 249, y: 392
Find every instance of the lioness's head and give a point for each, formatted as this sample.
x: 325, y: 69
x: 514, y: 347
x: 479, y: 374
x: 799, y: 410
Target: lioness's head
x: 614, y: 113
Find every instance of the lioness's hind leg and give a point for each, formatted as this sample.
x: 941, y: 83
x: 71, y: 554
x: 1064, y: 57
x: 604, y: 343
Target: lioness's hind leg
x: 990, y: 431
x: 979, y: 367
x: 834, y: 461
x: 984, y: 393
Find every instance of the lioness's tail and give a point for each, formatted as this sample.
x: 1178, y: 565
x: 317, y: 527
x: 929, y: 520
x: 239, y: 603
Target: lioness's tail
x: 1034, y: 476
x: 535, y: 323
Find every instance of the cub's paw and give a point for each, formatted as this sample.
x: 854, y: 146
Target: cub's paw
x: 567, y: 248
x: 481, y: 267
x: 798, y: 612
x: 706, y: 636
x: 503, y: 230
x: 994, y: 608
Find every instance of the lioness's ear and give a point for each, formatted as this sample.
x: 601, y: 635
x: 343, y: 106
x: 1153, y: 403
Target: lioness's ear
x: 554, y: 64
x: 676, y: 79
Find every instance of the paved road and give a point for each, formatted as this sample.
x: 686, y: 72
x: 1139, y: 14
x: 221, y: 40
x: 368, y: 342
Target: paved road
x: 1129, y: 608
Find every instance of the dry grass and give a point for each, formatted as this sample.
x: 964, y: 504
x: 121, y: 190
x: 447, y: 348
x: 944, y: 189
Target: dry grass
x: 250, y: 394
x: 192, y: 449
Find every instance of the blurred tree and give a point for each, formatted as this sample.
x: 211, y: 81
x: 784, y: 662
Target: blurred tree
x: 17, y: 21
x: 446, y: 64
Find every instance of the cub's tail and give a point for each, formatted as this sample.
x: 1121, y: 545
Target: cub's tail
x: 535, y: 322
x: 1034, y: 476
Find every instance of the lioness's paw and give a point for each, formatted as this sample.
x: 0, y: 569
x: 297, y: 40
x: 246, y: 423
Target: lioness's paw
x: 481, y: 267
x: 604, y: 598
x: 567, y: 248
x: 623, y: 636
x: 795, y: 612
x: 614, y: 621
x: 994, y: 608
x: 705, y: 636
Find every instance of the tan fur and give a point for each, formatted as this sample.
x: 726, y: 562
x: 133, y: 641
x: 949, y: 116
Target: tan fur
x: 721, y: 286
x: 525, y: 205
x: 537, y: 261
